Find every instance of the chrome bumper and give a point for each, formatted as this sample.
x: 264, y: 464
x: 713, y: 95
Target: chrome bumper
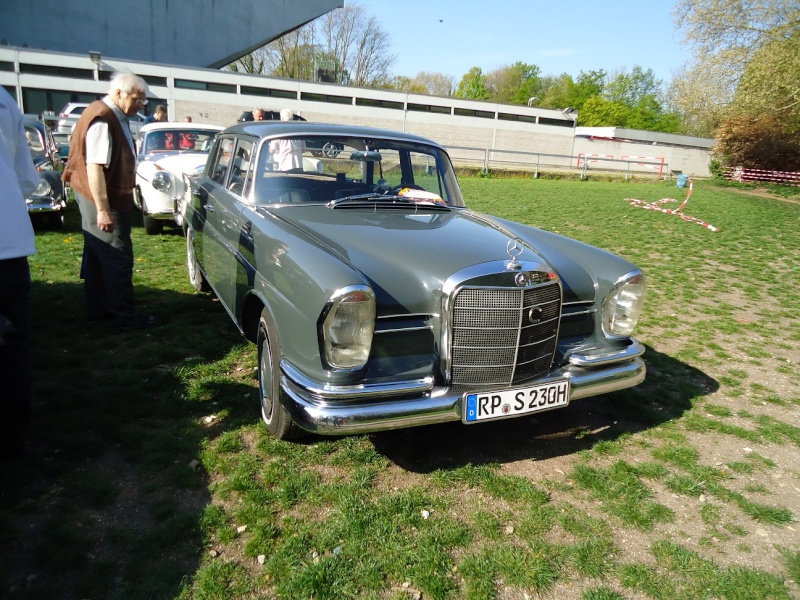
x: 45, y: 204
x: 362, y: 409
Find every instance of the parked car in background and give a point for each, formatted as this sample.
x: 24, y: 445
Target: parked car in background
x: 49, y: 200
x: 378, y: 300
x: 69, y: 115
x: 62, y: 143
x: 167, y: 151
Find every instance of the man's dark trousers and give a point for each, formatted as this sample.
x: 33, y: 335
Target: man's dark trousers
x: 15, y: 355
x: 107, y: 268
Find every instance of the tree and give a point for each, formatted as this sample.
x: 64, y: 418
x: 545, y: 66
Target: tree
x: 588, y: 85
x: 727, y: 36
x: 761, y: 142
x: 346, y: 43
x: 473, y: 85
x: 628, y: 100
x: 633, y: 88
x: 555, y: 91
x: 771, y: 82
x: 435, y: 84
x: 514, y: 84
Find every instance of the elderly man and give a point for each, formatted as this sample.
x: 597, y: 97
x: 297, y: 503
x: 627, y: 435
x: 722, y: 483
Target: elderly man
x: 102, y: 172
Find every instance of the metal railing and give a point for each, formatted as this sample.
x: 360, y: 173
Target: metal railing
x: 488, y: 158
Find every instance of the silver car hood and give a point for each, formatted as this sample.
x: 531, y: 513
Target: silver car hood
x: 407, y: 255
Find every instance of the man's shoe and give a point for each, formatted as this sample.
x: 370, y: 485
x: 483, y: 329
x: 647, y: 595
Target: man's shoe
x: 139, y: 322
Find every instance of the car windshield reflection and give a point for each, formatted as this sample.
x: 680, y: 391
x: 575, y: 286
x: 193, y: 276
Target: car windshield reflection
x: 316, y: 169
x: 186, y: 140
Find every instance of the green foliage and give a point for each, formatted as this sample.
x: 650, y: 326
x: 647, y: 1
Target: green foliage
x: 473, y: 85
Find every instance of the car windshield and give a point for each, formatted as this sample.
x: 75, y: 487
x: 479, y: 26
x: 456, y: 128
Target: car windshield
x: 342, y: 170
x: 35, y: 142
x: 187, y: 140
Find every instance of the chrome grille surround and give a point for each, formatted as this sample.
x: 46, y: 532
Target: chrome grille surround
x: 489, y: 339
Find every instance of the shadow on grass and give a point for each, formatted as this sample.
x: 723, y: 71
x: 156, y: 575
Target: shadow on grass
x: 109, y: 502
x: 668, y: 391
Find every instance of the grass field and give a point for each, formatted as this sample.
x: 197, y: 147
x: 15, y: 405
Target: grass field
x: 150, y: 474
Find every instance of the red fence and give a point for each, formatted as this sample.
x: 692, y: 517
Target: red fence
x: 779, y: 177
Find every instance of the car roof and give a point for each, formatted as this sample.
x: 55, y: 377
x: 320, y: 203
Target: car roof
x: 181, y: 125
x: 71, y: 105
x: 278, y: 128
x: 34, y: 123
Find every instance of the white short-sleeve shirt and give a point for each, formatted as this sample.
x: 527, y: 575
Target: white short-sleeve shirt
x: 98, y: 138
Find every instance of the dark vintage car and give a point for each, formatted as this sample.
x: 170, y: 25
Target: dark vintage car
x: 378, y: 300
x: 49, y: 200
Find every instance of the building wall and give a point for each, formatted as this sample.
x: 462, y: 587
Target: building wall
x: 476, y: 133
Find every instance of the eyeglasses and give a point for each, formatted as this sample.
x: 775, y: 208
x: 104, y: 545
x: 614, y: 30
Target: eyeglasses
x: 142, y: 100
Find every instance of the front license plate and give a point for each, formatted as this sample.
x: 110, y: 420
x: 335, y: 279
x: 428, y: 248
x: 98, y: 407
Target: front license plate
x: 483, y: 406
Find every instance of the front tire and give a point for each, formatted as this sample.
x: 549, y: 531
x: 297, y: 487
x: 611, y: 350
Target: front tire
x: 196, y: 279
x: 57, y: 219
x: 151, y: 226
x: 273, y: 413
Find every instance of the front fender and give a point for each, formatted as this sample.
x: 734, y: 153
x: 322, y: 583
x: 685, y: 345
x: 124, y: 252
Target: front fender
x: 294, y: 277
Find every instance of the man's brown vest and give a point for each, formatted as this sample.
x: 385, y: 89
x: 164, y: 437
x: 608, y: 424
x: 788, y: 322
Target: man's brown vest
x: 121, y: 171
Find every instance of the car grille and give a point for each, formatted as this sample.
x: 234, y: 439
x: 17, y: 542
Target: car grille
x: 494, y: 342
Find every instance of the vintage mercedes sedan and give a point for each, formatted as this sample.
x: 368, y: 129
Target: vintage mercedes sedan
x: 49, y: 199
x: 167, y: 152
x: 378, y: 300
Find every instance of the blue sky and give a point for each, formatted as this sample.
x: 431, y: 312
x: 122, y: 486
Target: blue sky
x: 559, y: 37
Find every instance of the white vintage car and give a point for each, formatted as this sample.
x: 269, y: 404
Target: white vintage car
x: 167, y: 152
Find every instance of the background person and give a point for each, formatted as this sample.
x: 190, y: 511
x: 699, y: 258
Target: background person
x: 258, y: 114
x: 159, y: 115
x: 287, y: 154
x: 18, y: 179
x: 102, y: 172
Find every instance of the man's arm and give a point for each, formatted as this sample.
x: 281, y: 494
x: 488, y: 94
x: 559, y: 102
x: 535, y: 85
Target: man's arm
x: 97, y: 185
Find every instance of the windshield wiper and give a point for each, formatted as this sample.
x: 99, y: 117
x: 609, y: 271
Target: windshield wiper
x: 384, y: 200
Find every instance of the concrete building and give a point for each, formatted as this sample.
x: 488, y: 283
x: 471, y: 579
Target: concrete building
x: 177, y: 32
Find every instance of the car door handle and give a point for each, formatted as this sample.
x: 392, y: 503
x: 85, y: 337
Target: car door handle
x: 209, y: 207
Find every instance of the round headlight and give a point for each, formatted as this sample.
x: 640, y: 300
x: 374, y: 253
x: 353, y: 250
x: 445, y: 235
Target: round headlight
x: 162, y: 181
x: 623, y: 305
x: 43, y: 189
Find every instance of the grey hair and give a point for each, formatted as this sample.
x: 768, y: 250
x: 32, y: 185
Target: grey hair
x: 127, y: 82
x: 287, y: 114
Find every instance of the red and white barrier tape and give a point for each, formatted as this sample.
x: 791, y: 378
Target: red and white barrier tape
x: 658, y: 207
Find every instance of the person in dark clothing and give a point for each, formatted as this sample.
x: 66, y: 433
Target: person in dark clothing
x: 18, y: 180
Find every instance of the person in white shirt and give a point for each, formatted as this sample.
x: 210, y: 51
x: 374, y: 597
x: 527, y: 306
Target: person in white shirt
x: 287, y: 154
x: 18, y: 180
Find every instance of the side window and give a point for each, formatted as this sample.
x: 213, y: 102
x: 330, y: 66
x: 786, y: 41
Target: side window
x: 219, y: 166
x: 241, y: 172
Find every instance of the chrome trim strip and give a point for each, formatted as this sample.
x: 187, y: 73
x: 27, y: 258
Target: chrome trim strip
x: 437, y: 406
x: 408, y: 316
x: 326, y: 392
x: 403, y: 329
x: 597, y: 359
